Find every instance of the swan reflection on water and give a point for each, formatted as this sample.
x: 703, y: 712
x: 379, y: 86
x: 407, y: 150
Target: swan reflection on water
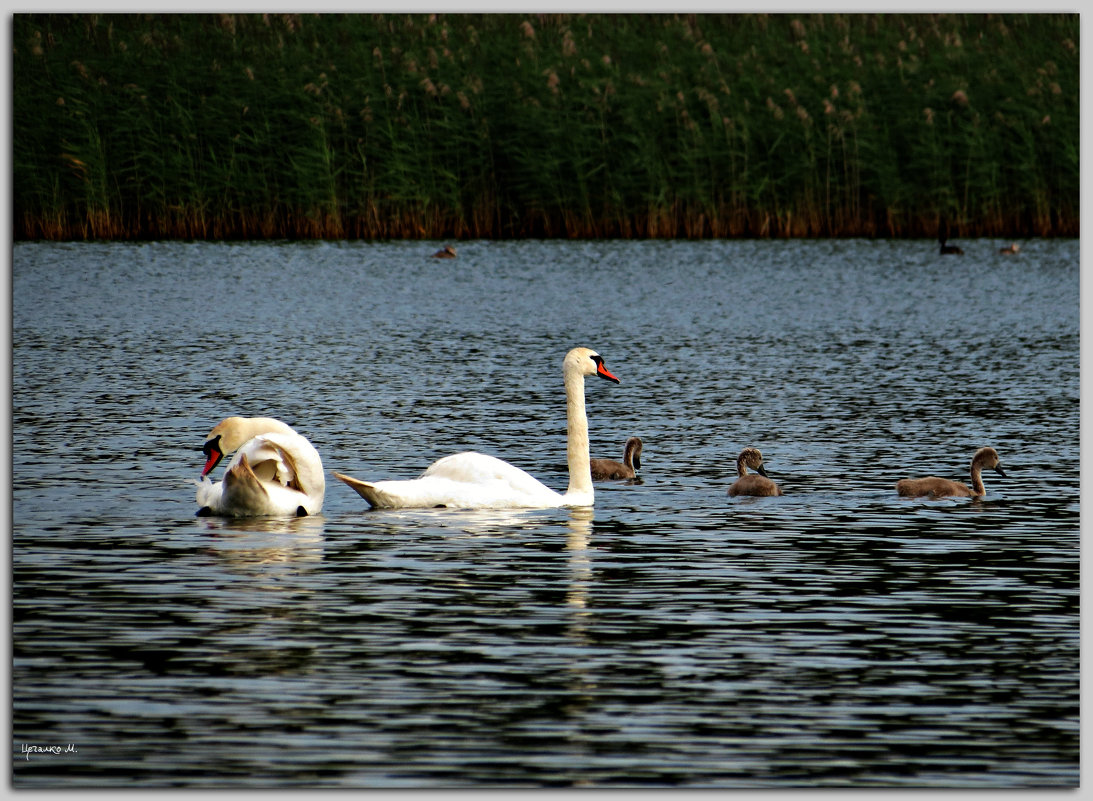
x: 492, y: 523
x: 265, y: 540
x: 458, y: 522
x: 577, y: 540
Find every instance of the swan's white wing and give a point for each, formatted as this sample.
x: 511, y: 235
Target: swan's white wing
x: 461, y: 481
x: 490, y: 482
x: 434, y: 491
x: 289, y: 460
x: 478, y: 468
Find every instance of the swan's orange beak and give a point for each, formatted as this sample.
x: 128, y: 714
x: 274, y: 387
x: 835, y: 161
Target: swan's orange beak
x: 213, y: 455
x: 603, y: 372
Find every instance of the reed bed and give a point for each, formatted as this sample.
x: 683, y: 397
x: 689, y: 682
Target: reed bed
x: 517, y: 125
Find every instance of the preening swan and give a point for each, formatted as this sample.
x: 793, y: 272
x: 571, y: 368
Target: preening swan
x: 275, y: 471
x: 934, y: 487
x: 446, y: 252
x: 749, y: 483
x: 609, y: 469
x: 476, y: 481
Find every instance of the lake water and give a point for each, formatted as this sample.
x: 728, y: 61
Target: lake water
x: 673, y: 636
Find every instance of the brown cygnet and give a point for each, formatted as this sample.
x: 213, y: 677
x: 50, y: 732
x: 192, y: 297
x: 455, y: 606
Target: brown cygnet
x: 934, y: 487
x: 750, y: 483
x: 609, y: 469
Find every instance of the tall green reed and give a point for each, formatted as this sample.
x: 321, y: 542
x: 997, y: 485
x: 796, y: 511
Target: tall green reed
x: 413, y: 125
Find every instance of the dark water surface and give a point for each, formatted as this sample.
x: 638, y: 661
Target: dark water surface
x: 836, y: 636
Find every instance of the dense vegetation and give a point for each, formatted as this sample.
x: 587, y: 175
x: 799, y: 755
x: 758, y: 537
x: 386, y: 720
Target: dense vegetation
x: 509, y: 125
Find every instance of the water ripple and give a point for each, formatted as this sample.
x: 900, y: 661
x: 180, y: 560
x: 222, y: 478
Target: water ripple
x: 838, y: 636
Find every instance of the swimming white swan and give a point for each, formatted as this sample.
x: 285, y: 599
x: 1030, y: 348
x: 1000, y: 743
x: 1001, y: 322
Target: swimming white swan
x: 477, y: 481
x: 275, y: 471
x: 934, y: 487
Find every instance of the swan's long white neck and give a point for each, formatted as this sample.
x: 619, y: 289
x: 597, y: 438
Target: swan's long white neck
x: 580, y: 470
x: 236, y: 431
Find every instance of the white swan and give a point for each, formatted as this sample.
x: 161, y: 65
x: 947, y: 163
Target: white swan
x: 275, y: 471
x: 476, y: 481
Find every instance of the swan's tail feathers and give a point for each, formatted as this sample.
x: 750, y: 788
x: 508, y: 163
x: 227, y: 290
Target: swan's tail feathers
x: 376, y: 497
